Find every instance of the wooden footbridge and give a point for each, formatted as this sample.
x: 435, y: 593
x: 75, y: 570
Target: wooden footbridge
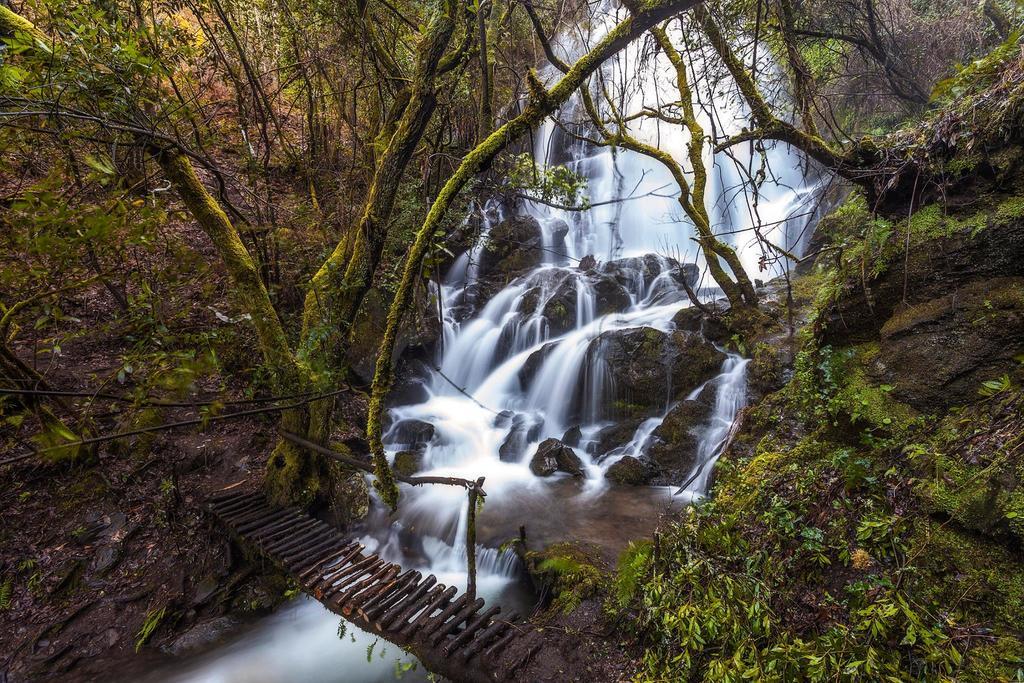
x: 452, y: 634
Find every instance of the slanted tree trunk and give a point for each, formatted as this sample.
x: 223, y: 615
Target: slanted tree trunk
x: 340, y: 285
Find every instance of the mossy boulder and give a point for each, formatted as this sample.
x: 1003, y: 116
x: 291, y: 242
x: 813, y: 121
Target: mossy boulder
x: 555, y: 296
x: 677, y: 438
x: 878, y: 276
x: 631, y: 471
x: 408, y: 463
x: 512, y: 247
x: 568, y: 572
x: 420, y: 329
x: 972, y: 466
x: 614, y: 435
x: 523, y: 430
x: 649, y: 368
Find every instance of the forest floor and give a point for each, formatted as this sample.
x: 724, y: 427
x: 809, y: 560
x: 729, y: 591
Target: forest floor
x: 102, y: 557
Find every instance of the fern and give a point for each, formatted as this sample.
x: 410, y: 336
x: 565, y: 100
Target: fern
x: 153, y: 619
x: 6, y: 589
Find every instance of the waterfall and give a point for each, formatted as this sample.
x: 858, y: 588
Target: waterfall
x: 508, y: 377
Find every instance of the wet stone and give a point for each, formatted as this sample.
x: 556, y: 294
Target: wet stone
x: 554, y: 456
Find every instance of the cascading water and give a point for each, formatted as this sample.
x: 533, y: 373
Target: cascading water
x: 510, y: 373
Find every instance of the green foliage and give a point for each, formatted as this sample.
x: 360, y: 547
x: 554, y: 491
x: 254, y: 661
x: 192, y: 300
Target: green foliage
x: 553, y: 184
x: 572, y: 571
x: 6, y: 592
x: 149, y: 625
x: 980, y: 73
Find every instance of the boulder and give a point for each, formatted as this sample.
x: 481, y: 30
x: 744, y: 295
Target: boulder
x: 413, y: 434
x: 630, y: 471
x: 558, y: 229
x: 524, y: 430
x: 513, y: 246
x: 614, y: 435
x: 559, y: 307
x: 554, y: 456
x: 649, y: 368
x: 609, y: 296
x: 930, y: 271
x: 420, y: 329
x: 572, y: 436
x: 203, y: 635
x: 677, y: 438
x: 408, y: 462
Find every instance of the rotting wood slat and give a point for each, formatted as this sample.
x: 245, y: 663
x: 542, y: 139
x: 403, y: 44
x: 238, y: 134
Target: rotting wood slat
x: 321, y: 563
x: 472, y: 627
x: 278, y: 531
x: 287, y: 549
x: 345, y: 599
x: 413, y: 606
x: 485, y: 637
x: 396, y: 590
x: 345, y: 576
x: 256, y: 518
x: 351, y: 580
x: 440, y: 602
x: 396, y: 614
x: 344, y: 560
x: 340, y: 571
x: 325, y: 545
x: 460, y: 617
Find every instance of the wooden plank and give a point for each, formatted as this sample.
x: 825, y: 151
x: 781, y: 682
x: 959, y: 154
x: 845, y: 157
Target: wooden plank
x: 439, y: 602
x: 392, y: 613
x: 460, y: 617
x: 375, y: 605
x: 415, y: 603
x: 471, y: 628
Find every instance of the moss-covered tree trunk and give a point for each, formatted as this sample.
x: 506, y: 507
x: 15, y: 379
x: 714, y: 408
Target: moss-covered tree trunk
x: 342, y: 282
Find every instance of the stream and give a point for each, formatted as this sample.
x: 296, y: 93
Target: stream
x: 505, y: 379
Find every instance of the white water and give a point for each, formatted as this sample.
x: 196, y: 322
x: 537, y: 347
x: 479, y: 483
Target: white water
x: 481, y: 393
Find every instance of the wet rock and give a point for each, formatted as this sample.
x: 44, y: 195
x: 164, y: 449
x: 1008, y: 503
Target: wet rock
x: 558, y: 229
x: 572, y: 436
x: 631, y: 471
x: 420, y: 329
x: 204, y: 591
x: 677, y: 438
x: 203, y: 635
x: 524, y: 430
x: 504, y: 418
x: 415, y: 434
x: 938, y: 352
x: 588, y: 262
x: 533, y: 364
x: 554, y: 456
x: 930, y: 271
x: 513, y: 246
x: 614, y: 436
x: 408, y: 462
x: 689, y: 319
x: 648, y: 368
x: 609, y: 296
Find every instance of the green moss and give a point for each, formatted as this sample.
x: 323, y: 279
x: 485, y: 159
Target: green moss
x: 971, y: 468
x: 572, y: 571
